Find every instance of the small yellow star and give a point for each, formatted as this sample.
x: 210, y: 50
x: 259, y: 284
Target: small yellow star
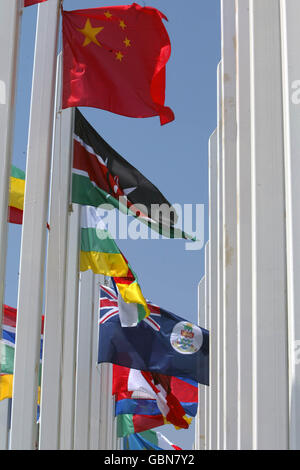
x: 90, y: 33
x: 108, y: 14
x: 122, y: 24
x: 119, y: 56
x: 127, y: 42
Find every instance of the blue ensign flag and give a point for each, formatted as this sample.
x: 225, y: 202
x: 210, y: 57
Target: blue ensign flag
x: 163, y: 342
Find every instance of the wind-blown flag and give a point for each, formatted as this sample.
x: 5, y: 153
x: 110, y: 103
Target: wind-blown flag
x: 114, y: 58
x: 7, y: 345
x: 130, y: 399
x: 163, y: 343
x: 28, y: 3
x: 148, y: 440
x: 101, y: 176
x: 130, y: 424
x: 100, y: 253
x: 155, y: 386
x: 6, y: 386
x: 16, y: 195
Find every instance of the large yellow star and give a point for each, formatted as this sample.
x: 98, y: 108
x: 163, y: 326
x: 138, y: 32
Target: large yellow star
x: 90, y: 33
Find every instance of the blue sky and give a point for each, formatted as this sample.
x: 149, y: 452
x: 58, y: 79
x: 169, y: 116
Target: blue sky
x: 174, y: 157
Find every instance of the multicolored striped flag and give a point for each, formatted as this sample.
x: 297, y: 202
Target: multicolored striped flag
x: 7, y: 344
x: 16, y: 195
x: 101, y: 176
x: 100, y: 253
x: 139, y: 402
x: 148, y: 440
x: 158, y: 387
x: 6, y: 386
x: 131, y: 424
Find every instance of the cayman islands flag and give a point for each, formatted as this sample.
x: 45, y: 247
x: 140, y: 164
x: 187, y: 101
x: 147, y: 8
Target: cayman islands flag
x: 162, y: 343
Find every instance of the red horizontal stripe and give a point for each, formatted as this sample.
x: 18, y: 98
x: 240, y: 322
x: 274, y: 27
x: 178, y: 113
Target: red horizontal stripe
x: 28, y: 3
x: 86, y: 161
x: 184, y: 391
x: 124, y: 280
x: 154, y: 308
x: 108, y: 303
x: 123, y: 395
x: 144, y: 422
x: 10, y: 317
x: 15, y: 216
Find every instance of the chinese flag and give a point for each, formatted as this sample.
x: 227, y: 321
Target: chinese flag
x: 114, y: 58
x: 27, y: 3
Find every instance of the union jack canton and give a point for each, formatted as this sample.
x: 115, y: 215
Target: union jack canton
x: 109, y: 308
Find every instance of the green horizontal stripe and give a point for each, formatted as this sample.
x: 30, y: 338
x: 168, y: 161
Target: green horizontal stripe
x: 150, y: 435
x: 90, y: 241
x: 124, y: 425
x: 17, y: 173
x: 86, y: 194
x: 7, y: 359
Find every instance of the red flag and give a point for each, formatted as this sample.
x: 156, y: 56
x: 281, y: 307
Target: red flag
x: 154, y: 386
x: 27, y: 3
x: 114, y: 58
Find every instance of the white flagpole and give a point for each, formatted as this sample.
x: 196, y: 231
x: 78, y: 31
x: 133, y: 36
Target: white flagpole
x: 290, y: 35
x: 84, y: 357
x: 56, y: 273
x: 32, y: 263
x: 10, y: 14
x: 95, y: 396
x: 68, y: 372
x: 4, y: 423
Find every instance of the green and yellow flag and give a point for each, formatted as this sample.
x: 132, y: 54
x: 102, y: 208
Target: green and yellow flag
x: 100, y: 253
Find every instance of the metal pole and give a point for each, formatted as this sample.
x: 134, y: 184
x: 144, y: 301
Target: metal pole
x: 220, y: 432
x: 83, y: 362
x: 33, y: 245
x: 201, y: 444
x: 207, y: 326
x: 212, y: 291
x: 244, y: 245
x: 229, y: 224
x: 70, y: 327
x: 290, y: 11
x: 95, y: 396
x: 269, y: 293
x: 56, y: 274
x: 10, y: 16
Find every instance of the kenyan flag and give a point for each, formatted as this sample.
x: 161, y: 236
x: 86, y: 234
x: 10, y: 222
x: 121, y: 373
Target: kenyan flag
x: 101, y: 176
